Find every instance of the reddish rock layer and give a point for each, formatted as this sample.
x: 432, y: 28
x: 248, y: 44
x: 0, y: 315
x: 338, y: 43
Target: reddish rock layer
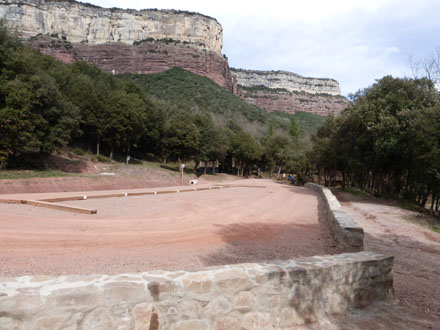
x: 287, y: 102
x: 148, y: 57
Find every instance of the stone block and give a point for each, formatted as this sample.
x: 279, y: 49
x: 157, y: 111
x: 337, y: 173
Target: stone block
x: 189, y: 309
x: 191, y: 325
x: 55, y: 322
x: 232, y: 280
x: 226, y: 323
x: 199, y: 283
x: 98, y: 319
x: 120, y: 292
x: 7, y: 323
x: 146, y: 316
x: 256, y: 321
x: 81, y: 297
x: 218, y: 305
x: 244, y: 301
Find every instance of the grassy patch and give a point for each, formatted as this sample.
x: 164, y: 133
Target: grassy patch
x: 425, y: 220
x: 29, y: 174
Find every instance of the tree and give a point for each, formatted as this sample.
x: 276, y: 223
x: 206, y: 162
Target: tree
x: 377, y: 144
x: 245, y: 149
x: 428, y: 68
x: 182, y: 137
x: 33, y: 111
x: 278, y: 148
x: 125, y: 120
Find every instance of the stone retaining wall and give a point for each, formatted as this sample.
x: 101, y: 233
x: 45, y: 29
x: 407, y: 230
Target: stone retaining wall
x: 245, y: 296
x: 347, y: 233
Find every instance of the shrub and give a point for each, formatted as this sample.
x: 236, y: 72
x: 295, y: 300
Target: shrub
x: 78, y: 151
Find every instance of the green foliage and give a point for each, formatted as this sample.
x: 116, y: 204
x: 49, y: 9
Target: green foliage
x: 182, y: 137
x: 307, y: 122
x: 193, y: 93
x: 175, y: 115
x: 45, y: 105
x: 100, y: 158
x: 388, y: 142
x: 33, y: 111
x: 78, y: 151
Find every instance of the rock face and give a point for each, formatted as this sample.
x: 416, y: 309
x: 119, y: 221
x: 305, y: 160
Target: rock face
x: 79, y: 22
x: 286, y: 80
x: 146, y: 57
x: 288, y: 92
x: 117, y: 40
x: 291, y: 102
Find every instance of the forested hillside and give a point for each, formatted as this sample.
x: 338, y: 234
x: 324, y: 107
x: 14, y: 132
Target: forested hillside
x: 198, y: 94
x: 46, y: 105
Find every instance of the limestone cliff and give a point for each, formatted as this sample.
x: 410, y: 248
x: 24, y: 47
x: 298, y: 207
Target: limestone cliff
x: 288, y: 92
x: 79, y: 22
x: 117, y: 40
x: 286, y: 80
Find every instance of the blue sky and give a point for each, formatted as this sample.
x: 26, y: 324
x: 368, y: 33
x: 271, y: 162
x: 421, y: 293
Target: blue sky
x: 352, y: 41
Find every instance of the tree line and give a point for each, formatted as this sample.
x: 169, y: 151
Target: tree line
x: 46, y: 105
x: 387, y: 142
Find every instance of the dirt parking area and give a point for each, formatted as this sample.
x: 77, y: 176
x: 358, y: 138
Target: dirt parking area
x: 170, y: 231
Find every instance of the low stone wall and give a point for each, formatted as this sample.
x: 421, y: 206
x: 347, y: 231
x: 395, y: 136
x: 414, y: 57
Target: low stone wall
x: 347, y: 233
x: 245, y: 296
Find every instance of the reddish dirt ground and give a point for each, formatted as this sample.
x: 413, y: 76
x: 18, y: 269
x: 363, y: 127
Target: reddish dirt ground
x: 416, y: 269
x: 171, y: 231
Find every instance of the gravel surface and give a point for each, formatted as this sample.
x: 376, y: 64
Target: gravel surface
x: 173, y: 231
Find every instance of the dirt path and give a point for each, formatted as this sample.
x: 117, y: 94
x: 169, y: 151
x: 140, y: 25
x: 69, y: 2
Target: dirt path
x: 175, y: 231
x: 416, y: 266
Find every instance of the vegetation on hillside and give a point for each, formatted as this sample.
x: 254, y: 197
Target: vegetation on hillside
x: 386, y: 143
x: 46, y: 105
x: 197, y: 94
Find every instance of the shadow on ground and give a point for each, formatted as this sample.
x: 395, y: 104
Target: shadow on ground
x: 259, y: 242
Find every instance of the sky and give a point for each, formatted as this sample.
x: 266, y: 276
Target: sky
x: 352, y: 41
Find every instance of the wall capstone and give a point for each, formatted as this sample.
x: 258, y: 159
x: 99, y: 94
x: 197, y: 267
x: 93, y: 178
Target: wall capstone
x: 347, y: 233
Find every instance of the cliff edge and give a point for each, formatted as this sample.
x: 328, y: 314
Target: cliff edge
x: 288, y: 92
x: 80, y: 22
x: 121, y: 41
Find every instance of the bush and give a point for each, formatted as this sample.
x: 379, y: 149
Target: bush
x: 100, y: 158
x: 78, y: 151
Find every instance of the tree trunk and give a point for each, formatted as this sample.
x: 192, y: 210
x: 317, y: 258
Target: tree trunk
x: 97, y: 147
x: 343, y: 180
x: 206, y: 167
x: 128, y: 154
x: 180, y: 168
x: 279, y: 171
x: 111, y: 152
